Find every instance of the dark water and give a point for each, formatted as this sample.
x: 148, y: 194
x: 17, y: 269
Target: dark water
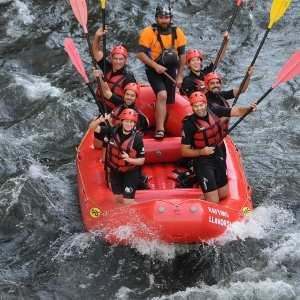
x: 44, y: 111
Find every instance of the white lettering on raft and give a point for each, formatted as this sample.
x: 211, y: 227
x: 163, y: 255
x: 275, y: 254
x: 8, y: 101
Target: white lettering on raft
x: 218, y: 221
x: 218, y: 212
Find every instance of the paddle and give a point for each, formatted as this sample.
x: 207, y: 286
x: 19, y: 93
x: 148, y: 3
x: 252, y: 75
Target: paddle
x: 287, y: 72
x: 75, y: 58
x: 80, y: 11
x: 104, y: 37
x: 172, y: 79
x: 238, y: 4
x: 278, y: 8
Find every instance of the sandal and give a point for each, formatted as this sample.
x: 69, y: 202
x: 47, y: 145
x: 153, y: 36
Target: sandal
x: 160, y: 134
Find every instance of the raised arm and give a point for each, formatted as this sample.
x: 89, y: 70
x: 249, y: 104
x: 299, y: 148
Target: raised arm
x: 98, y: 54
x: 250, y: 71
x: 227, y: 36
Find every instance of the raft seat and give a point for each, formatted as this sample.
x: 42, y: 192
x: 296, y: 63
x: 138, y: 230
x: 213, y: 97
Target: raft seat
x: 167, y: 150
x: 160, y: 160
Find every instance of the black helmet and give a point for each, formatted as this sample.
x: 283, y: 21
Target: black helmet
x: 163, y: 10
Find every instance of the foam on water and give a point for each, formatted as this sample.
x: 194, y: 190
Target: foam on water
x: 285, y: 250
x: 261, y: 290
x: 22, y: 16
x: 37, y: 87
x: 262, y: 222
x: 75, y: 245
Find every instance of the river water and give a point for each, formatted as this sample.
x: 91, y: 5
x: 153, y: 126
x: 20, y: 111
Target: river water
x: 45, y: 109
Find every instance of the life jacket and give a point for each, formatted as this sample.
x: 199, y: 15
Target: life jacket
x: 207, y: 133
x: 142, y: 122
x: 199, y: 86
x: 225, y: 126
x: 115, y: 85
x: 195, y: 79
x: 114, y: 156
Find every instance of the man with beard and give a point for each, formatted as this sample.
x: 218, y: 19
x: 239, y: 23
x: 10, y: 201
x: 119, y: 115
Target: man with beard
x: 162, y: 50
x: 117, y: 76
x: 216, y: 97
x: 200, y: 131
x: 194, y: 81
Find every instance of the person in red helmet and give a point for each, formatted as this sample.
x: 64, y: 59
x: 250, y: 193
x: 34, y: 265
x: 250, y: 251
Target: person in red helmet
x: 194, y: 81
x: 162, y: 50
x: 117, y: 76
x: 124, y: 166
x: 131, y: 94
x: 200, y: 131
x: 216, y: 97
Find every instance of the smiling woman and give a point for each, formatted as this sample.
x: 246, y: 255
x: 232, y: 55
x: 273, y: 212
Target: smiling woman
x: 124, y: 173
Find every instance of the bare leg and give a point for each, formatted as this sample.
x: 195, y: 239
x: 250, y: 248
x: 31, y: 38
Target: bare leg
x: 212, y: 197
x: 216, y: 196
x: 223, y: 192
x: 119, y: 198
x: 161, y: 109
x: 97, y: 144
x: 128, y: 201
x: 103, y: 154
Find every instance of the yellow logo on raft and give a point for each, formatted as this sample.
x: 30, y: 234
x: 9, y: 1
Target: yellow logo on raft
x: 246, y: 210
x: 95, y: 212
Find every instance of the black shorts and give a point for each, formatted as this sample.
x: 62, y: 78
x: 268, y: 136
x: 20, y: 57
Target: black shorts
x: 223, y: 148
x: 124, y: 183
x: 211, y: 173
x: 98, y: 136
x: 160, y: 82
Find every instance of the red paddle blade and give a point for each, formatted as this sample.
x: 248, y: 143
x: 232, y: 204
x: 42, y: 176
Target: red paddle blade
x: 75, y: 58
x: 289, y: 70
x: 80, y: 12
x: 239, y: 2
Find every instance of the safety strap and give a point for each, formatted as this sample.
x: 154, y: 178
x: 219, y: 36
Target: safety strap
x: 174, y: 36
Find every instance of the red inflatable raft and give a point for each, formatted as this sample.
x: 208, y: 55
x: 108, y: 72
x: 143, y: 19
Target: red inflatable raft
x: 163, y: 213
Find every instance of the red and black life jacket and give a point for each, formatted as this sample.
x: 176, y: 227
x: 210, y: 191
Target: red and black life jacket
x: 225, y: 126
x: 199, y: 86
x: 207, y: 133
x: 115, y: 85
x: 114, y: 156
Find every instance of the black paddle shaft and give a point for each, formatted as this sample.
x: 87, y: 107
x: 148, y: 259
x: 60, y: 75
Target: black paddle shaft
x: 251, y: 65
x: 224, y: 40
x: 104, y: 44
x: 98, y: 79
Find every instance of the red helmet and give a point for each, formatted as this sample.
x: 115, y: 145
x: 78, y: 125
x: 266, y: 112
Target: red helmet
x: 210, y: 76
x: 119, y: 50
x: 197, y: 97
x: 128, y: 114
x: 133, y: 87
x: 193, y: 53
